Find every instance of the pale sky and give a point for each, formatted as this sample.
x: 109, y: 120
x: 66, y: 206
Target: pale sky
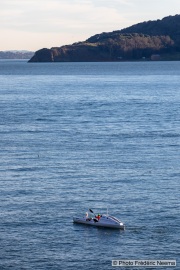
x: 36, y: 24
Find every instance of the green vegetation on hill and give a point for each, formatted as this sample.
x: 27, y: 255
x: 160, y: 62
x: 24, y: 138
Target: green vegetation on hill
x: 152, y: 40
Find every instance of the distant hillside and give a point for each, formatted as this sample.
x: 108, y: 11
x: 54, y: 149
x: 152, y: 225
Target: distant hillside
x: 152, y: 40
x: 168, y: 26
x: 16, y: 54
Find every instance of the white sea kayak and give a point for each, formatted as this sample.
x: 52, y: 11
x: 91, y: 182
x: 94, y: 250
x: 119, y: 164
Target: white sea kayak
x: 104, y: 220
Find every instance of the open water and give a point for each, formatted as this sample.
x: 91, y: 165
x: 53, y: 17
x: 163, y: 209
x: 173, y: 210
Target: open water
x: 75, y: 136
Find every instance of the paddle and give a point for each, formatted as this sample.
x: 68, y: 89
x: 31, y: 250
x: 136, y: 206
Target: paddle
x: 95, y: 219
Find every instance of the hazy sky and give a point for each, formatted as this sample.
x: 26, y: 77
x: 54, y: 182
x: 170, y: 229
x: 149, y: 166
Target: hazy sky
x: 34, y: 24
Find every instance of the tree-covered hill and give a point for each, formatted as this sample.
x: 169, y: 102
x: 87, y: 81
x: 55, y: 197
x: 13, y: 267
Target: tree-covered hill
x: 152, y: 40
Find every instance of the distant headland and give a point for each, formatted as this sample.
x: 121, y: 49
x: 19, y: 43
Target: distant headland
x: 151, y: 40
x: 16, y: 54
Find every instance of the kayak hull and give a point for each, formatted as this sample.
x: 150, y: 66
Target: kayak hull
x: 106, y: 221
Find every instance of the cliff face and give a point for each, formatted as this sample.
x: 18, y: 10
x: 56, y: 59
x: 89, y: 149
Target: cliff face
x: 139, y: 41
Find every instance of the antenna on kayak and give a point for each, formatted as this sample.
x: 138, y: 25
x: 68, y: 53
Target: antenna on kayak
x: 107, y: 212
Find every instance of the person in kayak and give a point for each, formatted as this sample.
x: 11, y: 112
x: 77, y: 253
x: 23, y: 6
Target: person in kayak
x: 98, y: 217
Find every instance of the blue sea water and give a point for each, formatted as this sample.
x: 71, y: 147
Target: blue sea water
x: 75, y: 136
